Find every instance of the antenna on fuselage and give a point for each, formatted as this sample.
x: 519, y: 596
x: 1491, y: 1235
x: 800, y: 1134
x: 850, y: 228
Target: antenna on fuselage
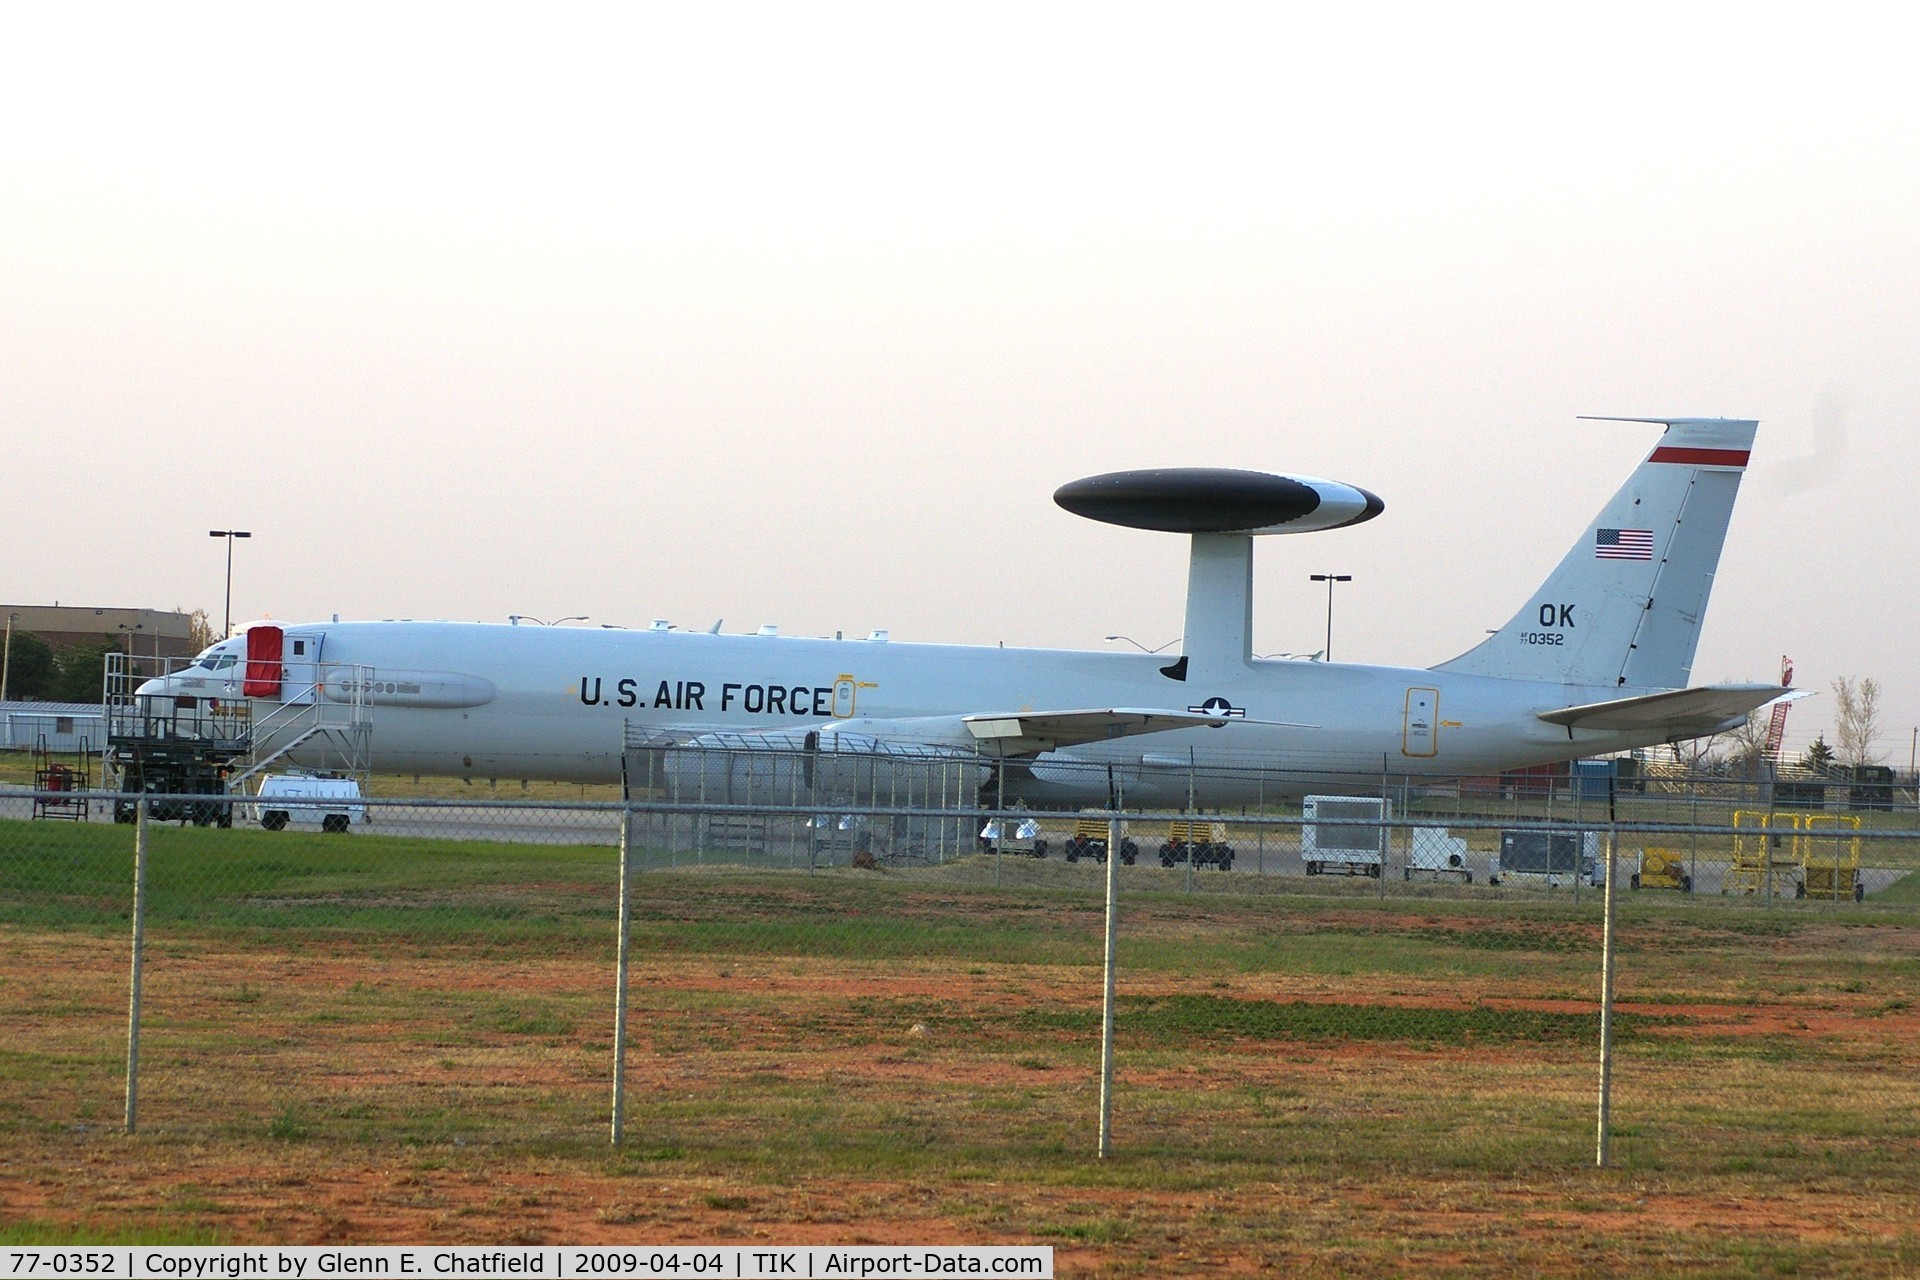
x: 1223, y: 510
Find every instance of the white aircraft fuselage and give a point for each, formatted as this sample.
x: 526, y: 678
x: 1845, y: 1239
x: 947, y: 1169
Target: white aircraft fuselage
x: 1595, y: 662
x: 558, y: 702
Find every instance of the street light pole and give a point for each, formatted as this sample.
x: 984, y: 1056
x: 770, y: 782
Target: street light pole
x: 6, y: 662
x: 1330, y: 579
x: 229, y: 535
x: 133, y: 647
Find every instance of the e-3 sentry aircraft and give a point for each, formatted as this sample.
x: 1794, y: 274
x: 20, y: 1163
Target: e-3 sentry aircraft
x: 1599, y: 659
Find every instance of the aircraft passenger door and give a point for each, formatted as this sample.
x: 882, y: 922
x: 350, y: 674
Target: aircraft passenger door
x: 302, y: 665
x: 844, y: 697
x: 264, y: 672
x: 1420, y: 729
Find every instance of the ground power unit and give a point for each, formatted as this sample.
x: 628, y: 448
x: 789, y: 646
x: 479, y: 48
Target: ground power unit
x: 1558, y: 857
x: 1437, y: 854
x: 1344, y: 835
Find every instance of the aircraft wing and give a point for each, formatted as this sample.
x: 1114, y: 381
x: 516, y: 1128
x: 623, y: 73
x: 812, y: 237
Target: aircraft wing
x: 1031, y: 732
x: 997, y: 734
x: 1684, y: 712
x: 1009, y: 733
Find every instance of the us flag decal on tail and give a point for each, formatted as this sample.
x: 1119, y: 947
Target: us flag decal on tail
x: 1623, y: 544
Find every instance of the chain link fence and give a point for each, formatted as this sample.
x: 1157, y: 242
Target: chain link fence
x: 863, y: 957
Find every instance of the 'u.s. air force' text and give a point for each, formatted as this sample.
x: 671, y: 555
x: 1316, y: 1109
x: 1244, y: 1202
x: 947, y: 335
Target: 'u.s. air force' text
x: 692, y: 695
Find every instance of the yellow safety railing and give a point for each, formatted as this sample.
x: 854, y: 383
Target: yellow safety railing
x: 1766, y: 847
x: 1810, y: 855
x: 1831, y: 857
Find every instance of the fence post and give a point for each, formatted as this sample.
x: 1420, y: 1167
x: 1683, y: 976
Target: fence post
x: 1766, y: 859
x: 1115, y: 834
x: 139, y: 946
x: 1606, y: 1009
x: 814, y: 785
x: 1260, y: 832
x: 1693, y: 838
x: 1187, y: 814
x: 622, y: 960
x: 999, y: 817
x: 797, y: 768
x: 1386, y: 828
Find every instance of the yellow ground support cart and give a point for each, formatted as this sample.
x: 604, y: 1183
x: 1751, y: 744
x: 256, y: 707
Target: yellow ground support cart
x: 1662, y: 869
x: 1831, y: 857
x: 1203, y: 842
x: 1089, y: 840
x: 1767, y: 854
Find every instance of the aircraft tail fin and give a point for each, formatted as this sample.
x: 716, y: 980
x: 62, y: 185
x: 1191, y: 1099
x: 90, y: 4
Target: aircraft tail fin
x: 1624, y: 606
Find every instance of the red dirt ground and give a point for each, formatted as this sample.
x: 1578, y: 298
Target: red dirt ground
x: 1567, y: 1222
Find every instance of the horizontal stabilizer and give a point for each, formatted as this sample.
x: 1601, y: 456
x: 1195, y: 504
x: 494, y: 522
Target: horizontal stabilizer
x: 1678, y: 712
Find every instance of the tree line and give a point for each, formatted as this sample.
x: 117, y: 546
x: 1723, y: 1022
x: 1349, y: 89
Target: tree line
x: 40, y: 672
x: 1857, y: 726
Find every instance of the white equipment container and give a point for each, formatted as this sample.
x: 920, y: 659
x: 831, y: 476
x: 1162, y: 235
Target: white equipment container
x: 1556, y: 857
x: 332, y: 804
x: 1438, y: 854
x: 1356, y: 850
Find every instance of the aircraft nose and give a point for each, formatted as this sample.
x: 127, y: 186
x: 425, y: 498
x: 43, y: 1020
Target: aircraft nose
x: 152, y: 688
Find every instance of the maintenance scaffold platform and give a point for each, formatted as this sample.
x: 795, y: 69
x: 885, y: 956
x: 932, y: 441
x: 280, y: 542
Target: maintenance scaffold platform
x: 199, y: 751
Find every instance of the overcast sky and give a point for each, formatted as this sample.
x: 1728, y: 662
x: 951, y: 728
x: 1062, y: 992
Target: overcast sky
x: 799, y: 314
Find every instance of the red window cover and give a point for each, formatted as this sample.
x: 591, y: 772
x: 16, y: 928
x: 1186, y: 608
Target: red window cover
x: 264, y: 645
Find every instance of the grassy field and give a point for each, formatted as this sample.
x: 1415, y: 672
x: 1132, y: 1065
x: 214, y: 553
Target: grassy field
x: 381, y: 1038
x: 16, y: 770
